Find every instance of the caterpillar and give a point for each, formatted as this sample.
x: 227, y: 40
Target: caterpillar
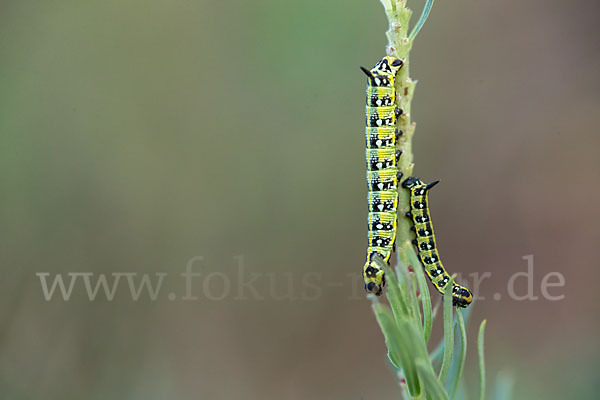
x: 383, y: 176
x: 425, y: 241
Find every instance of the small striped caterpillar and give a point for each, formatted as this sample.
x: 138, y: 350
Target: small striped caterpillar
x: 383, y: 176
x: 425, y: 241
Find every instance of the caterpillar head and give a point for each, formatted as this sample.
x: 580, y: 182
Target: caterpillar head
x: 374, y: 278
x: 411, y: 182
x: 388, y: 65
x: 384, y: 72
x: 461, y: 296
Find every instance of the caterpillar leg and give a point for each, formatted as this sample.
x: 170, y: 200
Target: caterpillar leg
x: 398, y: 154
x: 398, y: 133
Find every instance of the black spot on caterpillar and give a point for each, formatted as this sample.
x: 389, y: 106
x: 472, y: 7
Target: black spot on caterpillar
x: 425, y: 241
x: 382, y: 168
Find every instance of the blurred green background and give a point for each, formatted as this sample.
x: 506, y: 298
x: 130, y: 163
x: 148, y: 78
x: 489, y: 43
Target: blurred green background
x: 136, y: 135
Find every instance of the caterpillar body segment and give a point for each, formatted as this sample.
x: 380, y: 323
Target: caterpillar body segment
x: 383, y: 177
x: 378, y: 159
x: 426, y: 243
x: 382, y: 137
x: 382, y: 221
x: 382, y: 116
x: 383, y: 180
x: 380, y: 96
x: 383, y: 201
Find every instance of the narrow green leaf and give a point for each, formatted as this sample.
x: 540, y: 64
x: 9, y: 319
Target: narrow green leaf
x: 433, y: 386
x: 415, y: 334
x: 412, y: 260
x: 480, y: 353
x: 406, y: 285
x: 459, y: 362
x: 399, y: 345
x: 388, y: 332
x: 416, y: 307
x: 422, y: 19
x: 392, y: 355
x: 414, y: 340
x: 448, y: 331
x: 395, y: 296
x: 425, y: 298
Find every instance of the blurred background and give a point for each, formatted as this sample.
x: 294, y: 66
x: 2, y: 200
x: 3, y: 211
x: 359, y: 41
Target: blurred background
x: 226, y: 138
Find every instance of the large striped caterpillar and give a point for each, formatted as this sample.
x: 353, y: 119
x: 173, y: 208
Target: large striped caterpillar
x: 425, y: 241
x: 382, y: 170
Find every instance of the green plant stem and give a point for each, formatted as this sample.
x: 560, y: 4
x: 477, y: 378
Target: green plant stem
x: 399, y: 45
x: 407, y: 325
